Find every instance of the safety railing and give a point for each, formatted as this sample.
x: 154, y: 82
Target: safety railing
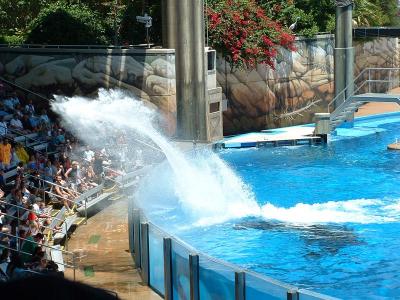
x: 53, y: 184
x: 35, y: 46
x: 80, y: 198
x: 13, y: 84
x: 370, y: 80
x: 176, y: 270
x: 70, y: 255
x: 18, y: 218
x: 26, y: 139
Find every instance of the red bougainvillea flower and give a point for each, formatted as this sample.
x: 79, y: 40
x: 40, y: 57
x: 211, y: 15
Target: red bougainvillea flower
x: 244, y: 35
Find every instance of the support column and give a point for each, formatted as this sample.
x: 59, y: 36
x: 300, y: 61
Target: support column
x: 199, y: 75
x: 169, y: 23
x: 339, y: 63
x: 344, y: 51
x: 349, y: 50
x: 190, y: 65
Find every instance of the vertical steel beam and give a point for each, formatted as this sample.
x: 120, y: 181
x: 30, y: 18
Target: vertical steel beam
x: 145, y: 271
x: 184, y: 67
x: 292, y: 295
x: 339, y: 64
x: 240, y: 286
x: 130, y: 226
x: 167, y: 269
x: 199, y: 75
x: 344, y: 53
x: 191, y: 75
x: 194, y: 277
x: 136, y: 236
x: 170, y: 23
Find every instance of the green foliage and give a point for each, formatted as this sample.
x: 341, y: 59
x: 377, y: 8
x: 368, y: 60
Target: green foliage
x: 287, y: 12
x: 115, y: 20
x: 60, y: 23
x: 15, y: 15
x: 376, y: 13
x: 11, y: 39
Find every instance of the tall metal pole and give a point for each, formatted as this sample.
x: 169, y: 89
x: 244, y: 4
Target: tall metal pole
x: 349, y: 50
x: 199, y: 75
x: 344, y: 51
x: 185, y: 34
x: 170, y: 23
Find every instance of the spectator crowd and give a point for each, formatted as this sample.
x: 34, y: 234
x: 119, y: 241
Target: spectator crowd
x: 33, y: 183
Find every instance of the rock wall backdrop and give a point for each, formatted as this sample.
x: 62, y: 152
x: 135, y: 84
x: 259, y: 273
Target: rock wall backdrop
x: 301, y: 84
x: 149, y: 75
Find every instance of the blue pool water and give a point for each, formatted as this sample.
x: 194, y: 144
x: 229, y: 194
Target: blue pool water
x: 330, y: 215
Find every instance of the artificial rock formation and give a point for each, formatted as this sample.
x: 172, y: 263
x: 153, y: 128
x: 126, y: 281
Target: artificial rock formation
x: 300, y: 85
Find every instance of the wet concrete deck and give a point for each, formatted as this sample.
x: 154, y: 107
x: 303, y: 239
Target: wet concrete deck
x: 103, y: 258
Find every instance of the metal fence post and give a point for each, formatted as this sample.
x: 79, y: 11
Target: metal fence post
x: 145, y: 253
x: 66, y: 236
x: 136, y: 236
x: 292, y: 295
x: 167, y: 269
x: 369, y: 80
x: 130, y: 226
x: 240, y: 285
x: 194, y: 277
x: 86, y: 218
x: 74, y: 265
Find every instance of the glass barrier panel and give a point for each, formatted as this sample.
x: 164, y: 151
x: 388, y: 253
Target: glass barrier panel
x: 260, y: 287
x: 309, y: 295
x: 156, y: 259
x: 180, y: 271
x: 217, y: 281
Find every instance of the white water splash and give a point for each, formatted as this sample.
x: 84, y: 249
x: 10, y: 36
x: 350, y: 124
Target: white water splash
x: 362, y: 211
x: 207, y: 188
x: 208, y: 191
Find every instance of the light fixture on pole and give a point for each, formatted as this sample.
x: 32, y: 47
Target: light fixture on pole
x: 148, y: 22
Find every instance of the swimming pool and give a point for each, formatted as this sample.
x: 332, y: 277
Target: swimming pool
x: 329, y: 215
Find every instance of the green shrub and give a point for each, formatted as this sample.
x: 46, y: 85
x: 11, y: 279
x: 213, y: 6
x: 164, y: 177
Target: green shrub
x: 11, y: 39
x: 67, y: 25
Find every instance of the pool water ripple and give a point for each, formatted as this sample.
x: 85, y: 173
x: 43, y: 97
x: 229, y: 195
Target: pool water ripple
x: 329, y: 220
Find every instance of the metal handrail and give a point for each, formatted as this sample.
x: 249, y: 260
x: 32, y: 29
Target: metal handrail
x: 20, y: 134
x: 74, y: 202
x: 52, y: 183
x: 26, y: 209
x: 345, y: 89
x: 46, y: 227
x: 340, y: 95
x: 344, y: 102
x: 22, y: 88
x: 67, y: 46
x: 46, y: 246
x: 62, y: 197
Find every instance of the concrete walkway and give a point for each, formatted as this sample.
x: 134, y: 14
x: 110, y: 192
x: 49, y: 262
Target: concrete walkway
x: 103, y: 258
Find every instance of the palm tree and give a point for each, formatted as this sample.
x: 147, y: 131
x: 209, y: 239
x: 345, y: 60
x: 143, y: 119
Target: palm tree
x: 367, y: 13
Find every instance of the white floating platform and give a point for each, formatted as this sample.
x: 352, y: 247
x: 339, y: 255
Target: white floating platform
x: 290, y: 136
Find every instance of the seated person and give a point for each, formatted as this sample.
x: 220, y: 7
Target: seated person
x: 16, y: 124
x: 29, y: 108
x: 44, y: 118
x: 21, y: 153
x: 3, y: 127
x: 63, y: 196
x: 29, y: 245
x: 26, y: 123
x: 5, y: 153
